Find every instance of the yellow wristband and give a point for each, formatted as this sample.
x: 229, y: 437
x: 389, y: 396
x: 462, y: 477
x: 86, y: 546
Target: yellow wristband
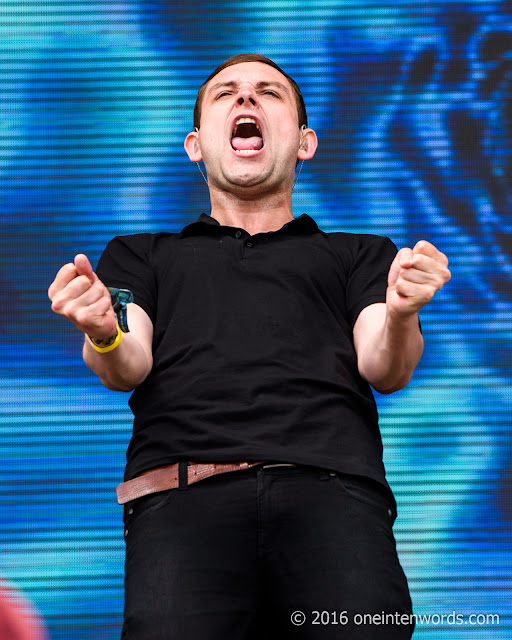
x: 109, y: 347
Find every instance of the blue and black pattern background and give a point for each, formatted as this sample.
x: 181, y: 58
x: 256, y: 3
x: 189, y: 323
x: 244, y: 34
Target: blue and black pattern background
x: 412, y: 104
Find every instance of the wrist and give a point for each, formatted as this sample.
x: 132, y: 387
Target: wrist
x: 108, y: 344
x: 400, y: 318
x: 399, y: 326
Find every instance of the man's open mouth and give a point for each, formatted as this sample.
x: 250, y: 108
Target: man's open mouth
x: 246, y: 135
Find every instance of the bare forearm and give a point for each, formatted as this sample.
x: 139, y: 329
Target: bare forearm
x: 121, y: 360
x: 122, y: 369
x: 391, y: 354
x: 387, y: 337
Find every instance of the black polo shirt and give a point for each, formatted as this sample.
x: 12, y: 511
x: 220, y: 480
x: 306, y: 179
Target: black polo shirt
x: 253, y: 348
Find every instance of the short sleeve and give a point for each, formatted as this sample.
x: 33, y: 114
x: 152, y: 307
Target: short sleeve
x: 126, y: 264
x: 368, y: 275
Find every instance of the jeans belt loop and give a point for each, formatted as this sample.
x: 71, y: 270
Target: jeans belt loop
x: 183, y: 475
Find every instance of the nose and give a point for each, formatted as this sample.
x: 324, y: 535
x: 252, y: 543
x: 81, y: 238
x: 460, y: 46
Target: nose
x: 246, y: 96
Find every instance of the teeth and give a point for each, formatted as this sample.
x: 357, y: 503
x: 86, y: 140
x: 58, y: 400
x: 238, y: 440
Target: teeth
x: 245, y: 121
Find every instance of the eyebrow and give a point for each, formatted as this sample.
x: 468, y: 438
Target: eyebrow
x: 263, y: 84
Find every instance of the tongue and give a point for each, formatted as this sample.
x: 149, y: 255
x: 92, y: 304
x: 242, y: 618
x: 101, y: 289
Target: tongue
x: 255, y: 142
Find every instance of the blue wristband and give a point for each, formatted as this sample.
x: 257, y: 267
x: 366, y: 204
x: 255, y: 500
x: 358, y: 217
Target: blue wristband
x: 120, y: 298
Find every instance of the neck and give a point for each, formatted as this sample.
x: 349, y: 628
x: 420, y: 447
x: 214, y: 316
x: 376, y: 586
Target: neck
x: 255, y: 214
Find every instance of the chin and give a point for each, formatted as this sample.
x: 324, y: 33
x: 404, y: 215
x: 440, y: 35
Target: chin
x: 246, y: 178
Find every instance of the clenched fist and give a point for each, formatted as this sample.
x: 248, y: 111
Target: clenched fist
x: 79, y: 295
x: 414, y: 277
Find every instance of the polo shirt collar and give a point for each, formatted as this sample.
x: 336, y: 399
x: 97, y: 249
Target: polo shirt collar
x: 205, y: 224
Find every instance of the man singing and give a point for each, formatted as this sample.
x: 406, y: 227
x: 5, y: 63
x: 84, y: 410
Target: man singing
x: 255, y: 495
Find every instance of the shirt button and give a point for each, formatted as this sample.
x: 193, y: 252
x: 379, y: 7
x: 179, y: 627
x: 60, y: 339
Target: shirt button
x: 249, y: 244
x: 238, y: 234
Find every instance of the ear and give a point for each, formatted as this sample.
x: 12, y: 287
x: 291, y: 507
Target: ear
x: 308, y: 144
x: 192, y: 147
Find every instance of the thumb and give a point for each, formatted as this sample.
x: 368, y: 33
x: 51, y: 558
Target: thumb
x: 84, y: 268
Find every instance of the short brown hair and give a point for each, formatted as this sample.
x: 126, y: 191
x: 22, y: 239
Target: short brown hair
x: 251, y: 57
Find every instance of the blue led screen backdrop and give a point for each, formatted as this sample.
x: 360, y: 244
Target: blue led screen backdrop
x: 412, y: 105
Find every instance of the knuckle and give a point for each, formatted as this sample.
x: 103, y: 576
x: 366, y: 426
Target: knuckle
x: 401, y: 286
x: 102, y: 288
x: 57, y: 303
x: 65, y: 268
x: 417, y: 260
x: 440, y: 281
x: 84, y: 282
x: 82, y: 317
x: 94, y: 292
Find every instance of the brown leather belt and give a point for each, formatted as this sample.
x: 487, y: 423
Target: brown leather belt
x: 165, y: 478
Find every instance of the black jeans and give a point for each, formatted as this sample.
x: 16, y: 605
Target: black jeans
x: 283, y: 552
